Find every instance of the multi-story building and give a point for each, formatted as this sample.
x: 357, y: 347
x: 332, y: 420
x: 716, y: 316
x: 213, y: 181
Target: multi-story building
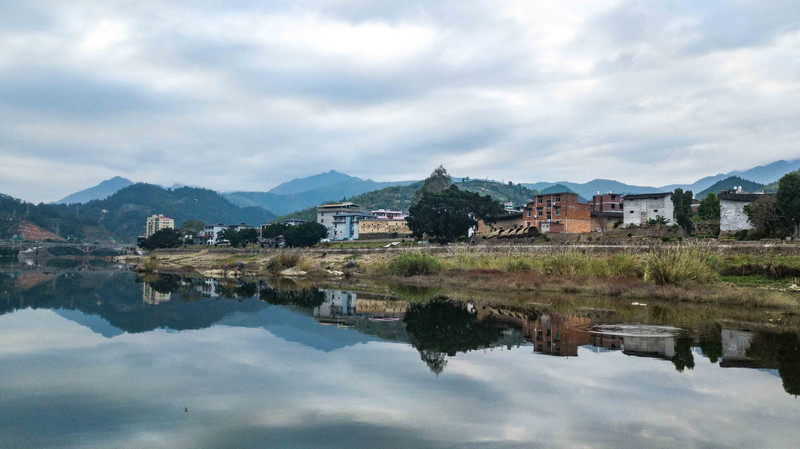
x: 640, y: 208
x: 383, y: 214
x: 607, y: 202
x: 731, y: 209
x: 346, y: 225
x: 558, y: 212
x: 158, y: 222
x: 375, y: 229
x: 292, y: 222
x: 326, y: 213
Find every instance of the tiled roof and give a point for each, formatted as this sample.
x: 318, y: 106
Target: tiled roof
x: 641, y: 196
x: 743, y: 197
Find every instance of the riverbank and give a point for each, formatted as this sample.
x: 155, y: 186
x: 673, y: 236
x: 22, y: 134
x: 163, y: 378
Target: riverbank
x: 726, y: 275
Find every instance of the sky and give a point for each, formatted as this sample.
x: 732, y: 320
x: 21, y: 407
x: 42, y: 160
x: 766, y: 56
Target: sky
x: 244, y: 95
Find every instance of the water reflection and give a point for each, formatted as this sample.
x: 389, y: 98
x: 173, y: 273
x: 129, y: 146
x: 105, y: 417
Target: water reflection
x: 105, y: 358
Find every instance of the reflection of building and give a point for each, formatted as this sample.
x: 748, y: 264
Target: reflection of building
x: 157, y: 223
x: 549, y: 333
x: 341, y: 305
x: 209, y: 288
x: 735, y: 344
x: 151, y: 296
x: 637, y: 340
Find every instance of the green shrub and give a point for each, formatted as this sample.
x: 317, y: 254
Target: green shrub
x: 283, y: 261
x: 414, y: 264
x: 149, y: 264
x: 680, y: 266
x: 519, y: 264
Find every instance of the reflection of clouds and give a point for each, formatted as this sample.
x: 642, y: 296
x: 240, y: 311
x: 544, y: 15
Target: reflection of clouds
x: 245, y: 387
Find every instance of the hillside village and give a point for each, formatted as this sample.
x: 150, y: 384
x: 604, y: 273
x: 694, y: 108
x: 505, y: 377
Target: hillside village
x: 372, y: 211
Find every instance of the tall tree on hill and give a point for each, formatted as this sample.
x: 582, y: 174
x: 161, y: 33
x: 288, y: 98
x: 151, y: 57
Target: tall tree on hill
x: 435, y: 183
x: 787, y: 200
x: 448, y: 215
x: 709, y: 207
x: 682, y: 203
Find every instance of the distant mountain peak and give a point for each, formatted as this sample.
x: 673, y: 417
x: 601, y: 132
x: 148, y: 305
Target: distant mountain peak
x: 99, y: 192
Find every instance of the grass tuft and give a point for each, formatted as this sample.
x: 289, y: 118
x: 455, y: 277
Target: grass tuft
x: 414, y: 264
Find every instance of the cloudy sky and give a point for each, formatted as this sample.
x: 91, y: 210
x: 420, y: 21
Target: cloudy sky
x: 244, y: 95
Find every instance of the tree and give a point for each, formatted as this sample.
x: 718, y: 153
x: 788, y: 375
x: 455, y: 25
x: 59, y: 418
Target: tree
x: 447, y: 215
x: 164, y: 238
x: 438, y: 181
x: 787, y: 200
x: 306, y: 234
x: 193, y: 226
x: 682, y: 204
x: 231, y: 235
x: 709, y: 207
x: 248, y: 235
x: 763, y: 215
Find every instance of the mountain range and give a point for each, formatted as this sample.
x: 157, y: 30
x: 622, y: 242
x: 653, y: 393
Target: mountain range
x: 762, y: 174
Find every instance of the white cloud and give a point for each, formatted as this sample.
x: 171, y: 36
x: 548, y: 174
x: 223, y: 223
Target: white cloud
x: 152, y: 91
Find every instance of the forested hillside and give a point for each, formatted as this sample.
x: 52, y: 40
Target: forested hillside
x: 123, y: 214
x: 400, y: 197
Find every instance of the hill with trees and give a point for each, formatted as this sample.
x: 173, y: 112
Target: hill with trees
x: 400, y: 197
x: 123, y: 214
x: 730, y: 183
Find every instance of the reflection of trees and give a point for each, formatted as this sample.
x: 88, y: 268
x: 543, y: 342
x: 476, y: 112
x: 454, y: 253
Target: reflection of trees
x: 443, y: 327
x: 683, y: 354
x: 302, y: 297
x: 246, y: 290
x: 781, y: 351
x: 711, y: 343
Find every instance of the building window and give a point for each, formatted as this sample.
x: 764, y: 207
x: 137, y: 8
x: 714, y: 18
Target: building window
x: 631, y: 211
x: 613, y: 206
x: 539, y: 200
x: 549, y: 203
x: 549, y: 216
x: 558, y: 210
x: 655, y: 210
x: 613, y: 197
x: 558, y: 198
x: 540, y: 211
x: 529, y: 213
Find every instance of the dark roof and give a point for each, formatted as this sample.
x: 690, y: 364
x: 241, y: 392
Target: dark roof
x: 743, y: 197
x: 608, y: 213
x: 640, y: 196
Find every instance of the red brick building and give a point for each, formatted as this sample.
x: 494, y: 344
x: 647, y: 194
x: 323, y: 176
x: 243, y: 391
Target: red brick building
x: 558, y: 212
x: 608, y: 202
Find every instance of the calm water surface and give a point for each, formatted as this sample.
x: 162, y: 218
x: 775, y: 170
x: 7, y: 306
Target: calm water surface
x: 99, y: 359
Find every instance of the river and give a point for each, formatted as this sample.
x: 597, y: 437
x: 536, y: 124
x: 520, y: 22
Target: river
x: 95, y: 357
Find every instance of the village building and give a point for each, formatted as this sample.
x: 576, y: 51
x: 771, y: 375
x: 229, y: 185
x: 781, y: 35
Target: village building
x: 607, y: 202
x: 606, y: 211
x: 158, y: 222
x: 511, y: 220
x: 327, y: 212
x: 211, y: 232
x: 558, y: 213
x: 378, y: 229
x: 640, y: 208
x: 346, y: 225
x: 732, y: 217
x: 383, y: 214
x: 293, y: 222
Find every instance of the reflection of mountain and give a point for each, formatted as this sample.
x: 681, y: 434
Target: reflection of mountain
x: 97, y: 324
x: 297, y: 327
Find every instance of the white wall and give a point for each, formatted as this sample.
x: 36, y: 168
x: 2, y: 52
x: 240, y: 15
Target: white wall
x: 638, y: 211
x: 732, y: 216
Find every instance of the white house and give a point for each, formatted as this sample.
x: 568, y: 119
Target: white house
x: 643, y: 207
x: 326, y: 213
x: 346, y: 225
x: 731, y: 210
x: 211, y: 232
